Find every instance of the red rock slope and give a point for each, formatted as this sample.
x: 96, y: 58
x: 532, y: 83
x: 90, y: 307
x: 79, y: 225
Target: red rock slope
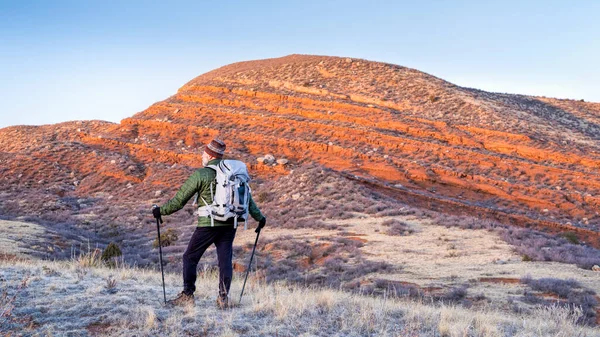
x: 398, y: 130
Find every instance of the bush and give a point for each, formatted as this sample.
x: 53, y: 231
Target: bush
x: 397, y: 227
x: 167, y: 238
x: 526, y: 258
x: 562, y: 288
x: 571, y: 237
x: 110, y: 252
x: 573, y: 292
x: 263, y: 197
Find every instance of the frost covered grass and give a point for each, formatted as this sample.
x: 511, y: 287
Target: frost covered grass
x: 74, y: 298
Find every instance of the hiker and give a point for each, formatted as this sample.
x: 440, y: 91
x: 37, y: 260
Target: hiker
x: 209, y: 230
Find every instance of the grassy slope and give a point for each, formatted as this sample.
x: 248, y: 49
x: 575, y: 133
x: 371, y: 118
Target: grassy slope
x: 75, y: 297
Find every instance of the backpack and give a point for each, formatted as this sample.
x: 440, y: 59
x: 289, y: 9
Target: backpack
x: 232, y: 194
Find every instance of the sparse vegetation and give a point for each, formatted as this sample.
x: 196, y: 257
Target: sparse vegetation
x: 571, y: 293
x: 533, y: 245
x: 276, y: 309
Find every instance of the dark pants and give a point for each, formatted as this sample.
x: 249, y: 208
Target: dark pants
x: 202, y: 238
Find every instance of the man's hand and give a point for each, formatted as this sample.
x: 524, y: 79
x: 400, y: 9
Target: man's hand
x: 261, y: 224
x: 156, y: 212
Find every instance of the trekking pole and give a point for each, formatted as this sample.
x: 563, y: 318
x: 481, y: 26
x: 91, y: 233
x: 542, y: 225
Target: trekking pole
x: 249, y: 264
x: 160, y: 258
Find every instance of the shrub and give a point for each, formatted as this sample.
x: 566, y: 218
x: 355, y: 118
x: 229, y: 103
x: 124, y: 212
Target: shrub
x: 571, y: 237
x: 573, y: 292
x: 526, y: 258
x: 110, y: 253
x: 562, y: 288
x: 263, y: 196
x: 397, y: 227
x: 455, y: 295
x: 167, y: 238
x: 111, y: 285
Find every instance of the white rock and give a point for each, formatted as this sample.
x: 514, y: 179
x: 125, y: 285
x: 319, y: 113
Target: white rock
x: 296, y: 196
x: 113, y: 161
x: 596, y: 268
x: 269, y: 159
x: 158, y: 193
x: 282, y: 161
x: 129, y: 185
x: 260, y: 159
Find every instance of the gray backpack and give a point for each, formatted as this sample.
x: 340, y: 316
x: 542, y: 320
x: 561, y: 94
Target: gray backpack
x: 232, y: 193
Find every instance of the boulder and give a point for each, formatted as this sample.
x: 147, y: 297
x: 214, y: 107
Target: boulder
x: 282, y: 161
x: 596, y: 268
x: 260, y: 159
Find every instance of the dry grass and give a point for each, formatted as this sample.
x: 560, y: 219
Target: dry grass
x: 57, y: 301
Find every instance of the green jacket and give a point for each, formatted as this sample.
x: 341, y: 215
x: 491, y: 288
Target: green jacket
x: 199, y: 182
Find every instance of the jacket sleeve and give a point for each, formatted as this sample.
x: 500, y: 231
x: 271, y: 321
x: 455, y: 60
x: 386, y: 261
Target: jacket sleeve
x: 185, y: 193
x: 253, y: 210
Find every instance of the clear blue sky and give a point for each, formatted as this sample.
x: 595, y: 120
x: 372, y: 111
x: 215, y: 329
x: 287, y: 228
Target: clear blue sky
x: 67, y: 60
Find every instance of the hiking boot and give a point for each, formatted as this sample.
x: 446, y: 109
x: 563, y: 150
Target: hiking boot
x: 223, y: 302
x: 182, y: 299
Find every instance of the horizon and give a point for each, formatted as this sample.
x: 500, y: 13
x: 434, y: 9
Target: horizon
x: 69, y: 61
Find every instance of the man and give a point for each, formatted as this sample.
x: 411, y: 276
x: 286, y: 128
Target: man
x: 221, y: 235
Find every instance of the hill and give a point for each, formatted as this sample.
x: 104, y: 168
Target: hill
x: 392, y: 182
